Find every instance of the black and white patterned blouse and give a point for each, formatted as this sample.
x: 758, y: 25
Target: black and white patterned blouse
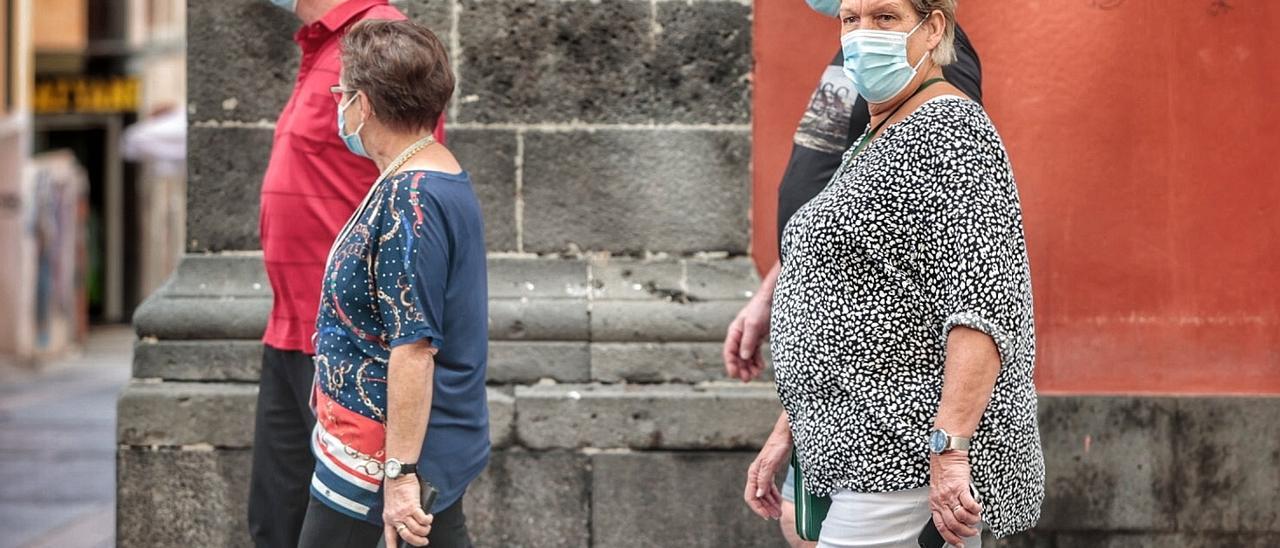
x: 920, y: 233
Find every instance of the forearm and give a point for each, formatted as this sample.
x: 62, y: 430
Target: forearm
x: 781, y: 430
x: 410, y: 380
x: 969, y: 376
x: 769, y: 282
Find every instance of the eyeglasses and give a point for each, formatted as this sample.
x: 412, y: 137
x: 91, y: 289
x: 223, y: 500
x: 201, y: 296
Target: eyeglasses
x: 339, y: 92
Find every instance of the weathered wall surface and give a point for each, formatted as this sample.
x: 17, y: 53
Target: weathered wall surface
x: 609, y: 143
x: 1142, y: 135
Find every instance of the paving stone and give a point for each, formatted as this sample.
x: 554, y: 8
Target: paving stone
x: 701, y: 69
x: 57, y: 442
x: 187, y: 413
x: 689, y: 363
x: 531, y: 500
x: 216, y: 360
x: 1228, y: 458
x: 542, y: 278
x: 570, y: 416
x: 225, y: 174
x: 538, y: 319
x: 645, y: 321
x: 490, y: 157
x: 1110, y: 463
x: 69, y: 479
x: 26, y: 522
x: 526, y: 362
x: 674, y: 499
x: 182, y: 498
x: 630, y: 191
x: 241, y: 62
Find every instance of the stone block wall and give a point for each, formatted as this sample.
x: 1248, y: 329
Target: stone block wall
x: 609, y: 144
x: 619, y: 126
x: 603, y: 424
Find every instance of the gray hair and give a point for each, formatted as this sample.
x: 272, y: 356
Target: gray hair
x: 945, y: 53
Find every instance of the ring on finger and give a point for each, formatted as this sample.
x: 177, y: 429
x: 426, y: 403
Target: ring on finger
x: 400, y: 527
x: 956, y: 509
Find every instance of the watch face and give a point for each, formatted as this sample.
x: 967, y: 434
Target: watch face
x: 393, y: 468
x: 938, y: 441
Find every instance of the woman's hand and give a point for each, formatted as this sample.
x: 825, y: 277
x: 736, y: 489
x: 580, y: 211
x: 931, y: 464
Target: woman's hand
x: 761, y: 492
x: 955, y: 512
x: 402, y: 513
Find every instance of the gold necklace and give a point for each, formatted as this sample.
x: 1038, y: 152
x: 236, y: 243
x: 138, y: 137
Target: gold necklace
x: 404, y: 156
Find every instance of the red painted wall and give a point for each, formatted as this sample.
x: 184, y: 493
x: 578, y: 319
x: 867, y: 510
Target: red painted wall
x: 1145, y: 138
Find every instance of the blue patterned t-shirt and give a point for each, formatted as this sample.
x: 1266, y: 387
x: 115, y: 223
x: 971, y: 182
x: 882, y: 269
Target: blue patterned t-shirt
x: 410, y: 267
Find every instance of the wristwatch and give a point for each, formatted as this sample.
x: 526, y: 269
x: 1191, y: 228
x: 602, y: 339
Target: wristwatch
x: 394, y: 468
x: 940, y: 442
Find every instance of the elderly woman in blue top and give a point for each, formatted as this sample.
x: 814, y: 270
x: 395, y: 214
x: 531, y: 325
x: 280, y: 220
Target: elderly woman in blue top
x: 902, y: 326
x: 402, y: 329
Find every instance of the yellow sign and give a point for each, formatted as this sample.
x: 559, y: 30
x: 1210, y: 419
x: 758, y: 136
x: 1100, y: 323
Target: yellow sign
x: 86, y: 95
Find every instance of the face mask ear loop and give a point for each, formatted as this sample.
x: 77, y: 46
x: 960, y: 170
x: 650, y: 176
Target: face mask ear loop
x: 916, y: 68
x: 926, y: 55
x: 354, y: 96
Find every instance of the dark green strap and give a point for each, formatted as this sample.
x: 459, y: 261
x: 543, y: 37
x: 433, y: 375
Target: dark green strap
x: 866, y: 139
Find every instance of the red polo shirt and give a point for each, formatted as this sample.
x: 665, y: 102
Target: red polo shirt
x: 313, y: 183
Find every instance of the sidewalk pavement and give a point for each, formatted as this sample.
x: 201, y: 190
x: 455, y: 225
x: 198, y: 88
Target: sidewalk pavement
x: 58, y: 442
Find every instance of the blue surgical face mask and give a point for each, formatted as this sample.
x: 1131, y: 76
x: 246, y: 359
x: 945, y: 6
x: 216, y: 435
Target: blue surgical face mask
x: 353, y: 142
x: 291, y: 5
x: 829, y: 8
x: 876, y: 61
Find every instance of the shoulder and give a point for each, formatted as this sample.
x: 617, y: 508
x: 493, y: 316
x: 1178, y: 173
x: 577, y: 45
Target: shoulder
x: 435, y: 190
x: 384, y: 11
x: 956, y: 113
x: 954, y: 125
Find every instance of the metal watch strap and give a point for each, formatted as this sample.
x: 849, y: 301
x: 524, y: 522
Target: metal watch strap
x: 952, y: 443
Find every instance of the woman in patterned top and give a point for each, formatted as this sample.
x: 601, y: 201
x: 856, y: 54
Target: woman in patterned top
x: 401, y: 335
x: 902, y: 327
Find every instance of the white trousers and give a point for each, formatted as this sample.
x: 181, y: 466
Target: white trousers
x: 879, y: 520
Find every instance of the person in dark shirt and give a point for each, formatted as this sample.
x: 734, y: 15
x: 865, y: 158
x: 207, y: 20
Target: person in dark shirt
x: 834, y: 120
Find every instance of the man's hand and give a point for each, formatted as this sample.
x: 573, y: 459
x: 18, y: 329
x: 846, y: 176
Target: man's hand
x: 761, y: 492
x: 742, y: 357
x: 955, y: 512
x: 402, y: 513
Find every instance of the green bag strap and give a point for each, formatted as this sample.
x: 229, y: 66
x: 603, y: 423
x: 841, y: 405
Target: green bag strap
x: 811, y: 510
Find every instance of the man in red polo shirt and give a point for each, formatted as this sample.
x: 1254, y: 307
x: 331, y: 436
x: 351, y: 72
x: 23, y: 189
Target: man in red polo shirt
x: 311, y: 187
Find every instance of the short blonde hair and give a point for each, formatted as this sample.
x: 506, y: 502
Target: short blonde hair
x: 945, y: 53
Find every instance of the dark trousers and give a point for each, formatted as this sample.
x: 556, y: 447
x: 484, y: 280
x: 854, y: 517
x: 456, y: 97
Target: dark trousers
x: 328, y: 528
x: 279, y: 487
